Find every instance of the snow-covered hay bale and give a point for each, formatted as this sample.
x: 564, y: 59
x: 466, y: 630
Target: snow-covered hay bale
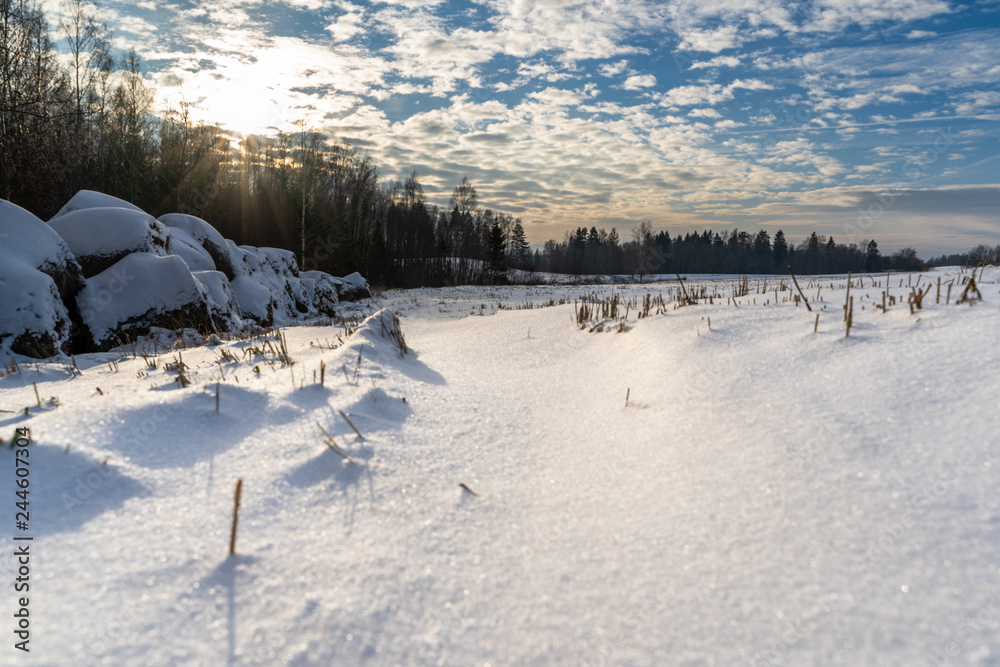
x: 222, y: 301
x: 277, y: 271
x: 321, y: 291
x: 25, y: 237
x: 142, y: 291
x: 254, y: 300
x: 89, y: 199
x: 207, y: 237
x: 353, y: 288
x: 187, y: 248
x: 33, y: 320
x: 286, y: 270
x: 100, y: 237
x: 282, y: 262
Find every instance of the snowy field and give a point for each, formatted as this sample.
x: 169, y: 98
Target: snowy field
x: 719, y: 483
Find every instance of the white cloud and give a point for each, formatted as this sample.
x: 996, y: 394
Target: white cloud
x: 801, y: 153
x: 709, y: 94
x: 920, y: 34
x: 346, y: 26
x: 718, y: 61
x: 978, y: 101
x: 834, y: 15
x: 613, y: 69
x: 712, y: 40
x: 704, y: 113
x: 312, y: 5
x: 639, y: 81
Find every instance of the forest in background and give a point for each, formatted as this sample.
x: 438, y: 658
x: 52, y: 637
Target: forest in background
x: 78, y: 117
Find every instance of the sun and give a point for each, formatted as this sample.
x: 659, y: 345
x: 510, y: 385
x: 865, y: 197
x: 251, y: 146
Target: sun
x: 246, y: 107
x: 243, y: 99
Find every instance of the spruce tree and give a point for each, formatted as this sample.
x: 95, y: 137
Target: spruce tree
x: 497, y: 253
x: 520, y: 251
x: 779, y: 249
x: 873, y: 258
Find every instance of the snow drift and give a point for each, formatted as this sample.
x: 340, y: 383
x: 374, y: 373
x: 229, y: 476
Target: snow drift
x: 103, y: 271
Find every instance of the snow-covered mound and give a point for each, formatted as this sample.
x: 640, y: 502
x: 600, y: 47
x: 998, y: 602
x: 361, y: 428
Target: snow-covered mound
x: 27, y: 238
x: 103, y: 271
x: 143, y: 291
x: 206, y: 236
x: 99, y: 237
x: 187, y: 248
x: 322, y: 290
x: 222, y: 302
x: 277, y: 272
x: 90, y: 199
x: 38, y: 274
x: 33, y: 320
x: 354, y: 288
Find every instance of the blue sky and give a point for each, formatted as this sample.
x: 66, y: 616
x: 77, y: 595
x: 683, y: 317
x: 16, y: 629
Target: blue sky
x: 854, y: 118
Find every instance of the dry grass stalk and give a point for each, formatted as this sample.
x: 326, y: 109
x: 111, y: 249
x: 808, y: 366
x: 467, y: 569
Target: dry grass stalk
x: 37, y: 397
x: 332, y: 444
x: 687, y: 301
x: 466, y: 488
x: 351, y: 424
x: 970, y: 287
x: 799, y: 288
x: 917, y: 297
x: 847, y: 299
x: 236, y: 517
x: 357, y: 367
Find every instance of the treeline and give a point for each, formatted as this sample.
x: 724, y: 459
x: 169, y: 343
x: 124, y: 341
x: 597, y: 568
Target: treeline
x: 981, y: 254
x: 596, y: 251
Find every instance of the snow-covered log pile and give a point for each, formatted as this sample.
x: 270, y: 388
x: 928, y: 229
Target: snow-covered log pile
x: 101, y: 272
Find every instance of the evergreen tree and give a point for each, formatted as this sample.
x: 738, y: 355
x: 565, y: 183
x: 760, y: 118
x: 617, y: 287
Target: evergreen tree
x: 497, y: 253
x: 779, y: 250
x: 520, y: 251
x: 873, y: 258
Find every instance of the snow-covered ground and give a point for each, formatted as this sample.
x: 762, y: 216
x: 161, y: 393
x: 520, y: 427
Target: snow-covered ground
x: 768, y: 495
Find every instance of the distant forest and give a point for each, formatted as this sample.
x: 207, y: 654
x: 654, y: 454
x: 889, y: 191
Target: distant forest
x: 83, y: 120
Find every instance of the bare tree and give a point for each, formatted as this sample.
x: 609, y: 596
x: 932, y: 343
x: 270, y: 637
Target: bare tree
x: 644, y: 259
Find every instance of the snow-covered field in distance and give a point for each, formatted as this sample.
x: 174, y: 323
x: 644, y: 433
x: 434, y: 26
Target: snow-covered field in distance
x: 769, y: 495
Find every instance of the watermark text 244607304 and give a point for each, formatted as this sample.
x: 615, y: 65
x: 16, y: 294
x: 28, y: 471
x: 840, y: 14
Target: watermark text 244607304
x: 22, y: 540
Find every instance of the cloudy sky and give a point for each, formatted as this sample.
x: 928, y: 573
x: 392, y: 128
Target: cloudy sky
x: 856, y: 118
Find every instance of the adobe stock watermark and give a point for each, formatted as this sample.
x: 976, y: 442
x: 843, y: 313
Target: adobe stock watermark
x: 962, y: 639
x: 322, y: 250
x: 23, y: 539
